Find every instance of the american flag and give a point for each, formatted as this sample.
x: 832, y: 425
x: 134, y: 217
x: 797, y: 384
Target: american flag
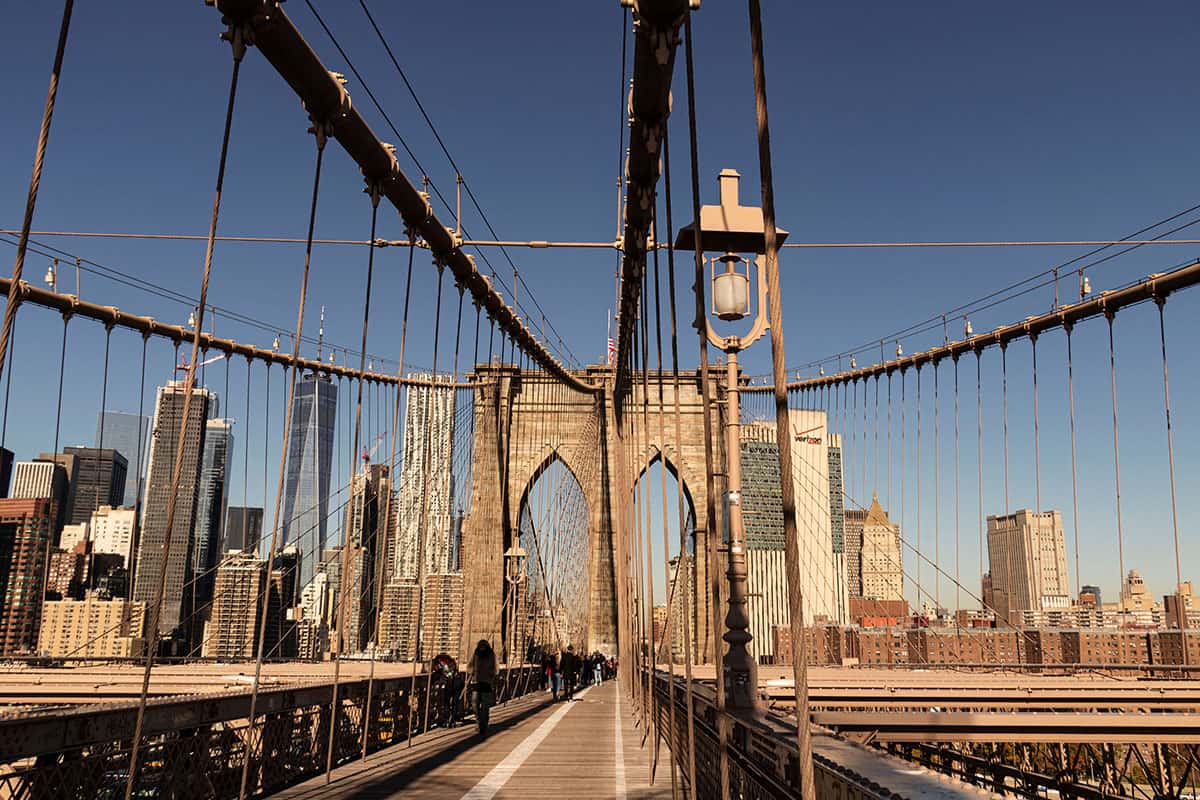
x: 612, y: 347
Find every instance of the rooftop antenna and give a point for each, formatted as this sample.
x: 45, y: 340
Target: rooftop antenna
x: 321, y: 333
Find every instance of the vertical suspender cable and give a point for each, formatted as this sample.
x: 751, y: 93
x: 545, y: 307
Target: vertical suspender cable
x: 903, y: 453
x: 705, y: 395
x: 1181, y: 607
x: 1037, y: 452
x: 264, y: 601
x: 35, y: 181
x: 394, y: 481
x: 668, y: 629
x: 779, y: 372
x: 137, y: 500
x: 91, y: 572
x: 875, y: 489
x: 60, y: 512
x: 957, y: 539
x: 937, y: 491
x: 917, y: 445
x: 889, y: 441
x: 643, y: 494
x: 1069, y: 327
x: 239, y: 50
x: 246, y: 449
x: 348, y: 515
x: 421, y: 542
x: 685, y: 564
x: 979, y: 448
x: 850, y: 471
x: 1112, y: 372
x: 1004, y: 402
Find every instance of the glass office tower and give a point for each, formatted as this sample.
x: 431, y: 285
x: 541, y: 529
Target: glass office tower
x: 310, y: 455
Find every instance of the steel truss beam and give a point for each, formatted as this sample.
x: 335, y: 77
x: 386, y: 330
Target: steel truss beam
x: 266, y: 26
x: 113, y: 317
x: 1021, y: 726
x: 656, y: 29
x: 1152, y: 287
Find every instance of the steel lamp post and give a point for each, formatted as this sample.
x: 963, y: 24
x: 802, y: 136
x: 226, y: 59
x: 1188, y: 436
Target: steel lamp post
x: 729, y: 229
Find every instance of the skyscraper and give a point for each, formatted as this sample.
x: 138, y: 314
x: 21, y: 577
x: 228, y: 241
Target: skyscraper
x: 122, y: 432
x: 169, y: 424
x: 6, y: 469
x: 210, y: 509
x: 367, y: 534
x: 232, y: 628
x: 26, y: 525
x: 310, y: 456
x: 43, y: 478
x: 816, y: 476
x: 112, y: 532
x: 881, y: 576
x: 243, y: 528
x: 282, y: 599
x: 100, y: 478
x: 823, y: 578
x: 70, y: 466
x: 1027, y: 555
x: 425, y: 487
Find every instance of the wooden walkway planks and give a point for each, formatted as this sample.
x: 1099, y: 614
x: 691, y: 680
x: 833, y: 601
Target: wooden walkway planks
x: 573, y: 754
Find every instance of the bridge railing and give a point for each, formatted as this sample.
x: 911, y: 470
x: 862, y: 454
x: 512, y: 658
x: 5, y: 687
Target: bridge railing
x: 762, y: 755
x: 194, y: 746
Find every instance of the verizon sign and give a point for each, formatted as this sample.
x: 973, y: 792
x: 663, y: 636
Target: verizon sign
x: 806, y: 436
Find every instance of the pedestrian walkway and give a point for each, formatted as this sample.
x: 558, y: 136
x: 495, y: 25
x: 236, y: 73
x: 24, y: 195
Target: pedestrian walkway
x: 589, y: 748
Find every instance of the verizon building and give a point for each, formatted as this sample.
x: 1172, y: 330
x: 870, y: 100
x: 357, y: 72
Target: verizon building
x: 822, y: 566
x: 816, y: 481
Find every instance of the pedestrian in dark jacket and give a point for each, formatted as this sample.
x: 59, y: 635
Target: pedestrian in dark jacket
x: 570, y: 671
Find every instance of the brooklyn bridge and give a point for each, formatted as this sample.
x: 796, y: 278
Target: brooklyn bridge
x: 304, y: 558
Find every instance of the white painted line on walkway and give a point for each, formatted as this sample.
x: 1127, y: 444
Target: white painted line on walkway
x: 619, y: 757
x: 494, y: 781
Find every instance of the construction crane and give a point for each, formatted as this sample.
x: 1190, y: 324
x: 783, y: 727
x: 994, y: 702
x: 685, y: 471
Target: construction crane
x: 368, y: 453
x: 183, y: 363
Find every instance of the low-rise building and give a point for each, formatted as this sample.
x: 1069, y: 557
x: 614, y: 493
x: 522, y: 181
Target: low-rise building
x: 92, y: 627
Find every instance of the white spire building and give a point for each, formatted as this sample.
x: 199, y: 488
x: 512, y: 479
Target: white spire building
x: 428, y: 411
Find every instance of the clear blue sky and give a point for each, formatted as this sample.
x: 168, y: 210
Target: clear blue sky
x: 920, y: 121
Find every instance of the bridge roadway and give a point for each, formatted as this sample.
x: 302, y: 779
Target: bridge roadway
x: 588, y: 748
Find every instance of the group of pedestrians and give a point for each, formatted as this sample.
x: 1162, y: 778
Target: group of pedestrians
x: 565, y: 671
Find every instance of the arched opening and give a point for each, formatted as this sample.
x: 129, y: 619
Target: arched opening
x: 666, y: 507
x: 550, y: 571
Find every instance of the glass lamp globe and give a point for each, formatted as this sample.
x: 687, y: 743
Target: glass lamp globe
x: 731, y: 294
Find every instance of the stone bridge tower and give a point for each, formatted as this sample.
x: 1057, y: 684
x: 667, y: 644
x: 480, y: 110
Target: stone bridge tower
x: 524, y: 420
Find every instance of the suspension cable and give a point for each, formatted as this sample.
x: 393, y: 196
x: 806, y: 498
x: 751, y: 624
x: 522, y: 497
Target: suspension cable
x: 705, y: 392
x: 344, y: 572
x: 779, y: 367
x: 35, y: 181
x: 1180, y: 605
x: 320, y: 132
x: 1112, y: 371
x: 684, y: 565
x: 239, y: 49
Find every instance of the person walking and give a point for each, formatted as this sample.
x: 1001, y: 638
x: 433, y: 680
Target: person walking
x: 556, y: 673
x: 570, y: 672
x: 483, y: 679
x: 598, y: 668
